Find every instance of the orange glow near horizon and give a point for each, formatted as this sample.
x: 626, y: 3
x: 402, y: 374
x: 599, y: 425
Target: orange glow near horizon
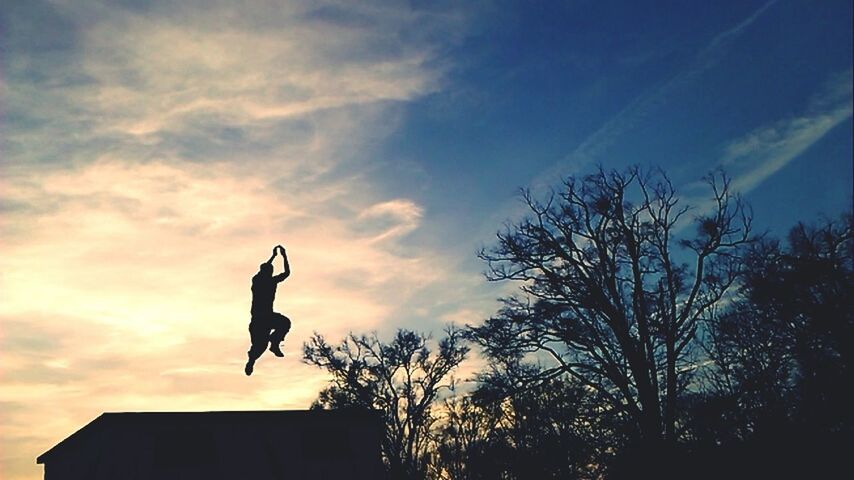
x: 132, y: 292
x: 133, y: 220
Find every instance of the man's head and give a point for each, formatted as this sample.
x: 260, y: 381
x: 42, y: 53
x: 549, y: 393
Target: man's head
x: 265, y: 269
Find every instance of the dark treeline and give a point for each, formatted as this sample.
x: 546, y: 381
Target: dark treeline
x: 647, y: 338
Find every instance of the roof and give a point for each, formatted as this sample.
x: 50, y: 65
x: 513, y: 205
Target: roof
x: 281, y: 440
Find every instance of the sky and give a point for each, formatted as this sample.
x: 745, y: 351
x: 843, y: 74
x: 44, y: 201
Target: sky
x: 153, y: 153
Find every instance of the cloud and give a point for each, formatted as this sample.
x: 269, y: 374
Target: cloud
x: 754, y: 157
x: 637, y: 112
x: 645, y: 104
x: 390, y: 219
x: 209, y: 81
x: 131, y: 291
x: 156, y: 251
x: 767, y: 149
x: 236, y: 75
x: 153, y: 153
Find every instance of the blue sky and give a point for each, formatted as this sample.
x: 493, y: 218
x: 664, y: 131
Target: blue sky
x: 671, y: 84
x: 152, y: 153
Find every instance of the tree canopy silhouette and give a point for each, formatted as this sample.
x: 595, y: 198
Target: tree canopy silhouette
x: 783, y: 349
x: 611, y: 293
x: 647, y: 337
x: 550, y: 431
x: 401, y: 379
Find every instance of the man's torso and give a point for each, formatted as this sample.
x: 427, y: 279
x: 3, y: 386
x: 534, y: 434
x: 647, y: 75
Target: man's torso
x: 263, y: 295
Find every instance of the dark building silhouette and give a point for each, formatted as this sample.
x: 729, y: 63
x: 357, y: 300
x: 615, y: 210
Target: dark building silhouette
x: 256, y: 445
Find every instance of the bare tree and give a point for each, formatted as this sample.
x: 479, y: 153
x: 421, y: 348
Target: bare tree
x: 401, y: 379
x: 611, y: 294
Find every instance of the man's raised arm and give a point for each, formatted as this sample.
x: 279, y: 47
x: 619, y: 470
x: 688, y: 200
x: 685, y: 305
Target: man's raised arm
x: 286, y: 265
x: 272, y: 257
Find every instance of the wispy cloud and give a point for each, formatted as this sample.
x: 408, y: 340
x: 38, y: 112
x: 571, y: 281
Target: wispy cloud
x: 636, y: 113
x: 390, y: 219
x: 642, y: 107
x: 752, y: 158
x: 756, y: 156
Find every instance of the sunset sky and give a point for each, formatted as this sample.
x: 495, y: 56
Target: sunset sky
x: 153, y: 153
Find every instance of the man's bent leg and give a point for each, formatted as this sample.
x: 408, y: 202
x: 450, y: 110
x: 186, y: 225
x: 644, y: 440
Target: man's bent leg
x: 259, y: 332
x: 281, y: 326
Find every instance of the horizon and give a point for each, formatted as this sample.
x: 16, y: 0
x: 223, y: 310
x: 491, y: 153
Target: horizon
x: 151, y: 156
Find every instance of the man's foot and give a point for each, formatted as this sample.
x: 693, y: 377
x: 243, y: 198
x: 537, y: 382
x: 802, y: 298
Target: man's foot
x: 276, y: 350
x: 248, y: 369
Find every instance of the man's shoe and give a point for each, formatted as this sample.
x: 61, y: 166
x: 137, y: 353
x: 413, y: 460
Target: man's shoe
x: 276, y: 350
x: 248, y: 368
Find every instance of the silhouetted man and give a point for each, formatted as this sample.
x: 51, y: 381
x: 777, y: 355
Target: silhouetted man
x: 264, y: 319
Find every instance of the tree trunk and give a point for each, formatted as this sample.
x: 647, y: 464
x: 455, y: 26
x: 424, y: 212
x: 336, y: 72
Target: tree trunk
x: 670, y: 399
x: 650, y: 419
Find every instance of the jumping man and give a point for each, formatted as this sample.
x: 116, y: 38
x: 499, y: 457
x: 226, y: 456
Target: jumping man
x: 264, y: 319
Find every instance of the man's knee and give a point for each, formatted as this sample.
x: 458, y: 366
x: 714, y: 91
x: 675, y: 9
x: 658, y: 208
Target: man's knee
x: 283, y: 322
